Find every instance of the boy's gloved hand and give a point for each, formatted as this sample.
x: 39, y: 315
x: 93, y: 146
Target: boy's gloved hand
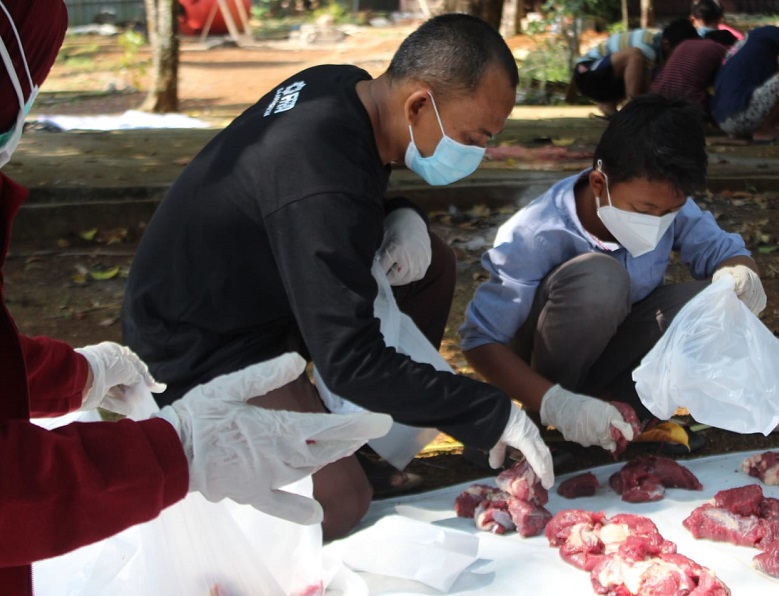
x: 581, y: 419
x: 116, y: 372
x: 522, y: 433
x: 405, y: 253
x: 749, y: 288
x: 247, y: 453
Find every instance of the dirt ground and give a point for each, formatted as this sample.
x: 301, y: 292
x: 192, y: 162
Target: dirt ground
x: 71, y: 286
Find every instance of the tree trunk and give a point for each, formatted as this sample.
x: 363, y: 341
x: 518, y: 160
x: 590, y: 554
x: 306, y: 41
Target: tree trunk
x: 647, y: 14
x: 163, y: 38
x: 511, y: 19
x: 490, y: 11
x: 625, y: 15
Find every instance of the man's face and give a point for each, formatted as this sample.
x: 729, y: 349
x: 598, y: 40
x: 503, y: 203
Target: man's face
x: 471, y: 120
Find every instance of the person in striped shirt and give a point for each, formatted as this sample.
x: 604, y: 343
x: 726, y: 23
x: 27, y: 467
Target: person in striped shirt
x: 621, y: 66
x: 690, y: 71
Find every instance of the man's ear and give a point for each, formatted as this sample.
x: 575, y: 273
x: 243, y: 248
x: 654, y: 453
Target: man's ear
x: 415, y: 103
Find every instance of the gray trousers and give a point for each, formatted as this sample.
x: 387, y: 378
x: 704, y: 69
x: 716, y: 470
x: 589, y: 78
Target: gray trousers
x: 584, y: 333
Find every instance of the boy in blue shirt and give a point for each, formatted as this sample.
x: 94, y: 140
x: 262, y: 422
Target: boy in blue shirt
x: 576, y: 294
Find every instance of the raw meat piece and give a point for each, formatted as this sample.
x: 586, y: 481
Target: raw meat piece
x: 646, y: 478
x: 743, y: 500
x: 741, y: 516
x: 529, y: 519
x: 629, y: 414
x: 563, y: 523
x: 715, y: 523
x: 466, y: 503
x: 643, y: 528
x: 582, y: 485
x: 764, y: 466
x: 516, y: 504
x: 521, y: 482
x: 662, y: 575
x: 768, y: 561
x: 744, y: 517
x: 769, y: 508
x: 493, y: 517
x: 627, y: 555
x: 584, y: 537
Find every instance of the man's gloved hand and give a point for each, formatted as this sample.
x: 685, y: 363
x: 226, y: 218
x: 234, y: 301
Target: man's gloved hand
x: 405, y: 253
x: 581, y: 419
x: 247, y: 453
x: 749, y: 288
x: 522, y: 433
x: 117, y: 372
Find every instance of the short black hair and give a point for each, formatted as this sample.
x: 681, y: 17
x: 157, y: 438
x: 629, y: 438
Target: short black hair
x: 708, y: 11
x: 721, y: 36
x: 679, y: 30
x: 657, y: 138
x: 451, y: 53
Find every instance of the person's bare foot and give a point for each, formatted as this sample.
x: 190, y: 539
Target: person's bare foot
x: 608, y: 109
x: 766, y: 134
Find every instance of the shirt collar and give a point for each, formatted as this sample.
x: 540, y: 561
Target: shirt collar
x: 568, y: 204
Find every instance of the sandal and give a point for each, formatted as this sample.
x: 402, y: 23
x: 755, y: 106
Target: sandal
x: 386, y: 480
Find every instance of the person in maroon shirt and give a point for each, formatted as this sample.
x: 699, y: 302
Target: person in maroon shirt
x: 690, y: 72
x: 64, y: 488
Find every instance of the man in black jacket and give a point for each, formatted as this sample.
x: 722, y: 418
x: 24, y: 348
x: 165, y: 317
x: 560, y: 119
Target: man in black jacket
x: 265, y: 244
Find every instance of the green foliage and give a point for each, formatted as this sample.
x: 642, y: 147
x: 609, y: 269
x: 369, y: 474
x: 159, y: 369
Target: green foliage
x: 606, y: 9
x: 130, y: 41
x: 616, y: 27
x: 548, y: 63
x: 335, y: 9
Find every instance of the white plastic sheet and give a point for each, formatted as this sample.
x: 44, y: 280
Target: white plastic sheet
x: 719, y: 361
x: 432, y: 555
x: 131, y: 119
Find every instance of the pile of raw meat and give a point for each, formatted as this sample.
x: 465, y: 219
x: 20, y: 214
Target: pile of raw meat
x: 744, y: 516
x: 642, y: 479
x: 517, y: 503
x: 626, y: 555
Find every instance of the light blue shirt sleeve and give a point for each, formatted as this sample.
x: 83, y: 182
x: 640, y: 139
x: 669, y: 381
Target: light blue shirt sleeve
x: 702, y: 245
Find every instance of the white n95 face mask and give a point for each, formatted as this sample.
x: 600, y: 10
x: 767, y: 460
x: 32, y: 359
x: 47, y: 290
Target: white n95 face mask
x: 10, y: 139
x: 450, y: 161
x: 639, y: 233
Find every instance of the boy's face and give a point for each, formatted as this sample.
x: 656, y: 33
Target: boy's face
x: 638, y: 195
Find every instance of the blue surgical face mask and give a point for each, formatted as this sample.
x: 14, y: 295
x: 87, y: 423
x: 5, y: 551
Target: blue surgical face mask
x: 10, y: 138
x: 702, y: 31
x: 450, y: 161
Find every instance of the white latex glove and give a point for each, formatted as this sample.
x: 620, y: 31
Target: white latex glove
x: 749, y: 288
x: 405, y: 253
x: 581, y: 419
x: 522, y: 433
x: 247, y: 453
x: 117, y: 373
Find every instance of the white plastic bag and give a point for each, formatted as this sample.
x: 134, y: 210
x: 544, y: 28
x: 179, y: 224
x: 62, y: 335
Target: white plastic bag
x: 719, y: 361
x: 192, y: 547
x: 401, y: 443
